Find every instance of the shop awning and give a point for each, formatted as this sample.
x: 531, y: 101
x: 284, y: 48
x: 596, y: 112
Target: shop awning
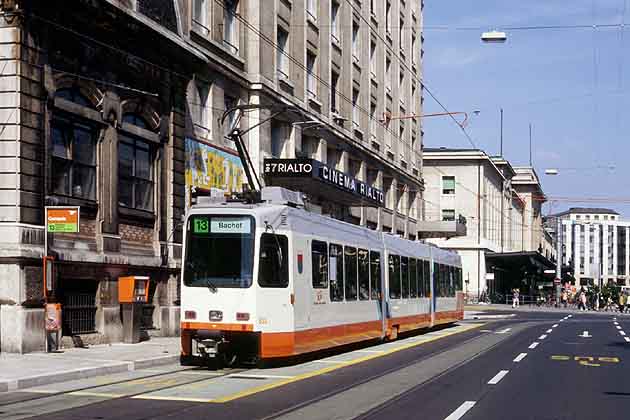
x: 529, y: 261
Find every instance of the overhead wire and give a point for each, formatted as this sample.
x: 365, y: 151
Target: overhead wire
x: 274, y: 45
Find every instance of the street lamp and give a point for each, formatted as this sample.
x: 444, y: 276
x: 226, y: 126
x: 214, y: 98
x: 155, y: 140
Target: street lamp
x: 494, y: 37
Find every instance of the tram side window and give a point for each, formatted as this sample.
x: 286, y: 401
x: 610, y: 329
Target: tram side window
x: 460, y: 285
x: 437, y: 279
x: 319, y: 261
x: 394, y: 277
x: 444, y: 277
x: 375, y: 274
x: 404, y: 273
x: 350, y: 262
x: 413, y: 278
x: 364, y: 274
x: 451, y: 281
x: 420, y: 273
x: 336, y: 273
x: 426, y: 276
x: 273, y: 268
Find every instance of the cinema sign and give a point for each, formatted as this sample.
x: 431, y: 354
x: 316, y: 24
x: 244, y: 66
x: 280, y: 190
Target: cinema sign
x: 312, y: 176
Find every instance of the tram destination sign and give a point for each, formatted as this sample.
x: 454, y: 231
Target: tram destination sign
x: 290, y: 171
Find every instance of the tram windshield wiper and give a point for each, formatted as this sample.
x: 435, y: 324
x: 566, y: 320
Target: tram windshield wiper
x: 211, y: 286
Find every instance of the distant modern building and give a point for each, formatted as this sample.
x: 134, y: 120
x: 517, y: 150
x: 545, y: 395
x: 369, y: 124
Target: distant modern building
x: 595, y: 244
x: 505, y: 244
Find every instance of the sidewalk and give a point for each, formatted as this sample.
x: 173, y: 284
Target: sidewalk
x: 19, y: 371
x: 534, y: 308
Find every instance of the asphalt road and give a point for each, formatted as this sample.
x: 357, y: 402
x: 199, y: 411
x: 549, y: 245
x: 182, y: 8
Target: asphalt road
x: 495, y: 371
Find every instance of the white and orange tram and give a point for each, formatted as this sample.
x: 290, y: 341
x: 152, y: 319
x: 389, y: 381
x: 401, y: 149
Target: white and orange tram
x: 272, y: 280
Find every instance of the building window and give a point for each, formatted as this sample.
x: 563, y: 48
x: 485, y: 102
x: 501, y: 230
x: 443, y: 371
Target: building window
x: 413, y: 50
x: 311, y: 73
x: 334, y: 83
x: 388, y: 18
x: 311, y: 8
x: 199, y: 103
x: 356, y: 42
x: 373, y: 58
x: 230, y: 36
x: 230, y: 102
x: 135, y: 170
x: 388, y: 75
x: 200, y: 15
x: 334, y: 21
x: 355, y: 108
x: 73, y: 159
x: 401, y: 35
x: 448, y: 185
x: 401, y: 83
x: 448, y: 215
x: 373, y: 120
x: 282, y: 63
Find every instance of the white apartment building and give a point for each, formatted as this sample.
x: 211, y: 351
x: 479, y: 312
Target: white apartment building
x: 595, y: 244
x: 501, y: 205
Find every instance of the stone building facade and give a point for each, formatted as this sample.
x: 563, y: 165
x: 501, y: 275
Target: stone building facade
x: 115, y: 106
x: 505, y: 242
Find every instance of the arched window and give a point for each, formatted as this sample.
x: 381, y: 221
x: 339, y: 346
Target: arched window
x: 73, y: 144
x: 136, y: 120
x: 135, y: 168
x: 74, y: 95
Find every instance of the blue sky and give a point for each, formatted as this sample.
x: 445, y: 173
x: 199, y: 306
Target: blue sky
x: 572, y: 85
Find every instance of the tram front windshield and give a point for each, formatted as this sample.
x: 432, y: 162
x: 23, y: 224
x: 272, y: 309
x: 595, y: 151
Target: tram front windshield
x: 219, y: 251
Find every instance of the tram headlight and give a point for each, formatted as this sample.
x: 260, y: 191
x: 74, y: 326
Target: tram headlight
x: 215, y: 315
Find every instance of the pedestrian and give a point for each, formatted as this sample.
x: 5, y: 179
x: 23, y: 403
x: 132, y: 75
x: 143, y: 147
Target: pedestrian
x: 583, y: 300
x: 515, y: 296
x: 628, y: 303
x: 565, y: 297
x: 622, y: 302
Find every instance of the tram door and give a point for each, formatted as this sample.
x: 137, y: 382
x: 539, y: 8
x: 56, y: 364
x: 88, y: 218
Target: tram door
x: 301, y: 283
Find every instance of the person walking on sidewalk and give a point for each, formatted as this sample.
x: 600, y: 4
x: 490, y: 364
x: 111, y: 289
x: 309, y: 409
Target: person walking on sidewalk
x: 583, y: 301
x: 515, y: 296
x: 622, y: 302
x: 565, y: 297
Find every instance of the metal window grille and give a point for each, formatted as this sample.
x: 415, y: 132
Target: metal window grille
x: 79, y: 313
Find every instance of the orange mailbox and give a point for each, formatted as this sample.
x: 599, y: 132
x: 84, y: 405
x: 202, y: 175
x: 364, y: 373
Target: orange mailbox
x: 133, y: 289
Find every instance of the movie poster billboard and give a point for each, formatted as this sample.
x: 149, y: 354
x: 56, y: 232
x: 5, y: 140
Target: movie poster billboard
x: 211, y: 169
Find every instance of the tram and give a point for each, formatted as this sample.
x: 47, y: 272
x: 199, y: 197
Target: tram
x: 269, y: 280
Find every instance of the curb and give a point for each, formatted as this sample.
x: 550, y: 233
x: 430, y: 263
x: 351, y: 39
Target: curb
x: 84, y: 373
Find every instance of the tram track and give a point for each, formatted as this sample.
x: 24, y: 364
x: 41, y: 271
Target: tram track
x: 87, y: 390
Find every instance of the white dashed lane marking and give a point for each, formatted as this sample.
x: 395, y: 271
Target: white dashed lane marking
x: 554, y: 325
x: 542, y: 337
x: 520, y: 357
x: 622, y: 333
x: 549, y: 330
x: 461, y: 410
x: 618, y: 327
x: 533, y: 345
x: 627, y: 339
x: 498, y: 377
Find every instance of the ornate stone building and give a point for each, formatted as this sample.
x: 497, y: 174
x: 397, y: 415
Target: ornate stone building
x: 115, y: 106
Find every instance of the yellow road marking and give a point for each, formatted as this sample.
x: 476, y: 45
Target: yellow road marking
x: 609, y: 359
x: 560, y: 358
